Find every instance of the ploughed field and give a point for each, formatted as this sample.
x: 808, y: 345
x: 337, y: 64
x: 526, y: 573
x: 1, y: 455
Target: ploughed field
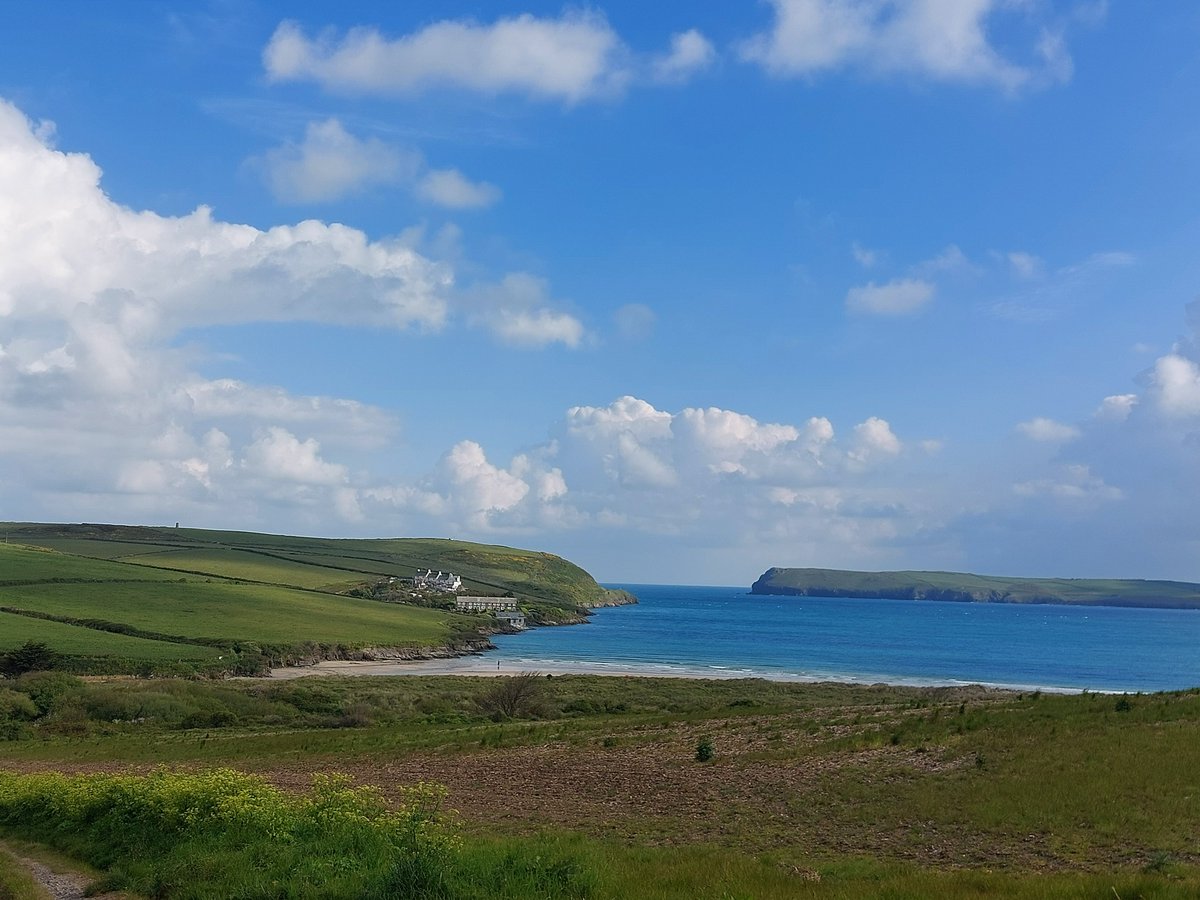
x: 812, y: 790
x: 156, y: 601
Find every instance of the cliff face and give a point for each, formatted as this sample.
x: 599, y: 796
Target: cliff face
x: 963, y: 587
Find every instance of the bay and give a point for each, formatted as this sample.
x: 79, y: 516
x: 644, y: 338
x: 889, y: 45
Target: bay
x: 690, y: 630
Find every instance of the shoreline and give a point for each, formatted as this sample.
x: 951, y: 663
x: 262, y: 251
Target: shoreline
x: 482, y: 666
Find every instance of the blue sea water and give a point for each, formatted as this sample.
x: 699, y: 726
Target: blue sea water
x: 725, y: 630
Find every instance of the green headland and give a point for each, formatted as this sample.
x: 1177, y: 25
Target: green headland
x: 966, y: 588
x: 128, y: 599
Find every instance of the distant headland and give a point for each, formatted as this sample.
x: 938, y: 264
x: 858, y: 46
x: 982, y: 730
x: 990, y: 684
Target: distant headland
x: 966, y: 588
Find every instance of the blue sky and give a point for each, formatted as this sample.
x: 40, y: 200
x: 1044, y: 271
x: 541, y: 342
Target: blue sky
x: 679, y: 293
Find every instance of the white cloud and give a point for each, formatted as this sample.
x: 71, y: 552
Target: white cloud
x: 1176, y: 385
x: 944, y: 40
x: 690, y: 52
x: 279, y: 454
x: 478, y: 485
x: 874, y: 437
x: 1117, y: 408
x: 515, y: 310
x: 574, y: 57
x: 1048, y: 431
x: 100, y: 407
x: 331, y: 163
x: 450, y: 188
x: 898, y: 297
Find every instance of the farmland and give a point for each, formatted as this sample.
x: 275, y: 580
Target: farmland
x: 124, y: 598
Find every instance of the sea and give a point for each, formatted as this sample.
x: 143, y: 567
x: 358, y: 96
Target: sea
x: 728, y: 632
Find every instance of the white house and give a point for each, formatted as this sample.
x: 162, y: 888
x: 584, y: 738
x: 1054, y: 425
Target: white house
x: 441, y: 581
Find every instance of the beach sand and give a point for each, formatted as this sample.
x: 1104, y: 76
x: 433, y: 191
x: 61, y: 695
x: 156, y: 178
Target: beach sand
x: 487, y: 666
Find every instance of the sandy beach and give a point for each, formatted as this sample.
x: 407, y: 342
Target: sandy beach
x: 487, y: 666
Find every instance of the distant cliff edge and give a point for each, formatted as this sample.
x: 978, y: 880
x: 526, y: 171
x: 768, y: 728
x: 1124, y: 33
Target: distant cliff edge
x: 965, y: 588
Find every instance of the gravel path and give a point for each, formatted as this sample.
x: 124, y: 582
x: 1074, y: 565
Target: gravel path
x: 59, y: 885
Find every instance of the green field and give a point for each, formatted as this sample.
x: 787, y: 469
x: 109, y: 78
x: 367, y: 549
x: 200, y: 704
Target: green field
x: 250, y: 566
x: 963, y: 587
x: 315, y: 562
x: 73, y: 640
x: 227, y: 613
x: 821, y: 791
x: 148, y: 595
x: 23, y: 564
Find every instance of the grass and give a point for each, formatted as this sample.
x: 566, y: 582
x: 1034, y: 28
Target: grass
x: 19, y: 564
x: 813, y: 791
x: 15, y: 881
x: 73, y: 640
x: 529, y: 574
x: 249, y: 566
x: 229, y: 613
x: 258, y: 598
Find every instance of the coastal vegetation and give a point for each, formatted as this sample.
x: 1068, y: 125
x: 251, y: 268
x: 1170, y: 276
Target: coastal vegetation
x: 811, y: 790
x: 127, y: 599
x: 963, y: 587
x: 528, y: 785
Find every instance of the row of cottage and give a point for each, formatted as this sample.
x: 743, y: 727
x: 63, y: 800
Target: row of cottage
x: 505, y: 608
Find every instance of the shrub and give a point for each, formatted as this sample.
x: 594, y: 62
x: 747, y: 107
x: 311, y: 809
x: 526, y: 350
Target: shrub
x: 518, y: 696
x: 224, y: 834
x: 32, y: 656
x: 49, y: 690
x: 15, y: 706
x: 705, y: 749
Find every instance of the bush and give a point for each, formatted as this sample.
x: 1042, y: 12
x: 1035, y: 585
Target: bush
x: 225, y: 834
x: 49, y: 690
x: 519, y: 696
x: 32, y: 656
x: 15, y: 706
x: 705, y: 750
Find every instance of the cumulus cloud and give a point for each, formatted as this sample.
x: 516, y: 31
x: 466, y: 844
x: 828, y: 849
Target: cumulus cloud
x: 331, y: 163
x: 1175, y: 383
x: 100, y: 406
x: 690, y: 52
x: 874, y: 437
x: 943, y: 40
x: 898, y: 297
x: 1117, y: 407
x: 574, y: 57
x: 515, y: 310
x: 1048, y: 431
x: 278, y: 454
x: 452, y: 189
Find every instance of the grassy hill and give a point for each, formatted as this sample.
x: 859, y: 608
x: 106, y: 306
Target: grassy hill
x: 127, y: 598
x: 962, y: 587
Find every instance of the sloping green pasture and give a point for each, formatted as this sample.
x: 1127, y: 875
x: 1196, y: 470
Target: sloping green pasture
x: 250, y: 566
x: 74, y: 640
x: 529, y: 574
x: 19, y: 564
x: 229, y: 613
